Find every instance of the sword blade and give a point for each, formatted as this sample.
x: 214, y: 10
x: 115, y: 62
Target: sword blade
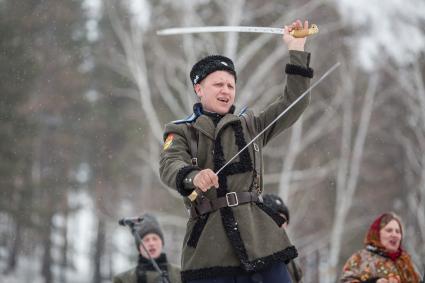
x: 186, y: 30
x: 331, y: 69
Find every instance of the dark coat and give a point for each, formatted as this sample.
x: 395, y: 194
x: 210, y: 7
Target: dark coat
x: 149, y: 274
x: 243, y: 238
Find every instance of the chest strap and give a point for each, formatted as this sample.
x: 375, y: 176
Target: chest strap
x: 203, y: 205
x: 193, y: 143
x: 257, y: 162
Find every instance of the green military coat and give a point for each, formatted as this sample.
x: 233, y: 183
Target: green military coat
x: 152, y: 276
x: 244, y: 238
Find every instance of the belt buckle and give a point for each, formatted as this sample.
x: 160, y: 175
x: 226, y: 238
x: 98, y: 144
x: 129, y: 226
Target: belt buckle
x: 235, y: 196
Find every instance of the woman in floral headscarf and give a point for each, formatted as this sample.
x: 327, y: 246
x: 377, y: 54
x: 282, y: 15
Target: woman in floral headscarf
x: 382, y: 260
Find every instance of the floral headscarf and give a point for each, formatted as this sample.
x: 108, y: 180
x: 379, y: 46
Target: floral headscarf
x: 400, y: 258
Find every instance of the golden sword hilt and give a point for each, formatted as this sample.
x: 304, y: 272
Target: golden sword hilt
x: 302, y: 32
x: 192, y: 197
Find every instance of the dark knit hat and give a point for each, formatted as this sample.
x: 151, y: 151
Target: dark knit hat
x: 210, y: 64
x: 276, y: 204
x: 149, y: 224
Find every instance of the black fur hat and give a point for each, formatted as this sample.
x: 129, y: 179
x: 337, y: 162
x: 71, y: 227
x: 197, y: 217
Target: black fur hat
x: 276, y: 204
x: 210, y: 64
x: 149, y: 224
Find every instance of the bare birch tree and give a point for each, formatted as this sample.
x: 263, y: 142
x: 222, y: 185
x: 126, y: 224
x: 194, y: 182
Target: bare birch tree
x: 412, y: 140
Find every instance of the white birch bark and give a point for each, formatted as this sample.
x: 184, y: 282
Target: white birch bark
x: 348, y: 173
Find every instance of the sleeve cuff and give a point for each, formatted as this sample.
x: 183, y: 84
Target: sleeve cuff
x: 292, y: 69
x: 185, y: 188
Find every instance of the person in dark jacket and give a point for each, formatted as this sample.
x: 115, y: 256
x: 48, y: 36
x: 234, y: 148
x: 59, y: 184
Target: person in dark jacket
x: 230, y: 235
x: 276, y: 204
x: 152, y: 238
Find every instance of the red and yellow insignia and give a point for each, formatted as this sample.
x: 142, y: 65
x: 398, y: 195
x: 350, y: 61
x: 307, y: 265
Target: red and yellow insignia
x: 168, y: 141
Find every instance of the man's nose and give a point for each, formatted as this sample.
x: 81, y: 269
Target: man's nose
x: 226, y: 89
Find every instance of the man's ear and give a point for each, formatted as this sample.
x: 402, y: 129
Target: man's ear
x: 197, y: 89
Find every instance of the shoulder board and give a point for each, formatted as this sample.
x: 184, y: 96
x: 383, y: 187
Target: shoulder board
x: 243, y: 111
x: 188, y: 119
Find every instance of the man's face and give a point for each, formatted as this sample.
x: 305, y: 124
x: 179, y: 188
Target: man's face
x: 217, y: 92
x: 390, y: 236
x: 153, y: 244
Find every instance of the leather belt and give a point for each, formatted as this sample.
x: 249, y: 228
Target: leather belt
x: 203, y: 205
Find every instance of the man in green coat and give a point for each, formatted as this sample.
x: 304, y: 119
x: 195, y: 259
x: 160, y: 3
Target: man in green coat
x: 230, y: 234
x: 152, y: 238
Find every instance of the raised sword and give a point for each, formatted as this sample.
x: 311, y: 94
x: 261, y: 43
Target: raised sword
x: 301, y: 32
